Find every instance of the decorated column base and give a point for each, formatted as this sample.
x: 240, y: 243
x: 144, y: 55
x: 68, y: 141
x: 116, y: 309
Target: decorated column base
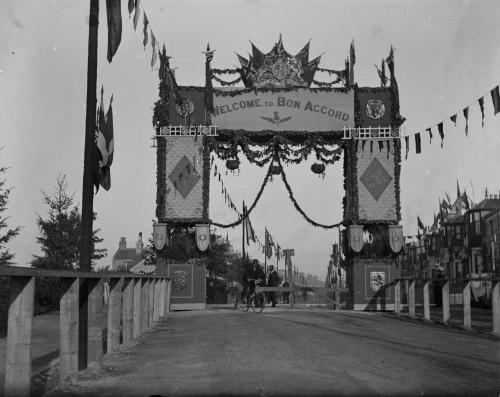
x: 367, y: 279
x: 188, y: 286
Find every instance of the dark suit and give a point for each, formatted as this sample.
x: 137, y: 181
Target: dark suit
x: 273, y: 280
x: 249, y: 278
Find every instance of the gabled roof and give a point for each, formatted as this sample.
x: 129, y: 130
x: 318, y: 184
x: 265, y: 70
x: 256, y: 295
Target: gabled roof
x: 454, y: 219
x: 487, y: 204
x: 126, y: 254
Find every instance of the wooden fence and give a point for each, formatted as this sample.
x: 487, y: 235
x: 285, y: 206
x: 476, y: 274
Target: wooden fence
x: 134, y: 304
x: 409, y: 286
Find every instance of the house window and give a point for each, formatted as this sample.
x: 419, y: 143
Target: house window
x: 477, y: 223
x: 458, y: 234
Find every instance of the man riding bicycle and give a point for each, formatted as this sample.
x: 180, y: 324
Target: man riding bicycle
x: 252, y: 277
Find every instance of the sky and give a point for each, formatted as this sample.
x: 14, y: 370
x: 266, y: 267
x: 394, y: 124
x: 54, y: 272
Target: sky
x: 446, y: 57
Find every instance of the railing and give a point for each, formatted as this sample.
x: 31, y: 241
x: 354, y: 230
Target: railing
x: 445, y: 299
x: 135, y: 303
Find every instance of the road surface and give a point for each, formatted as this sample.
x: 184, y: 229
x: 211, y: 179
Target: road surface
x: 303, y: 352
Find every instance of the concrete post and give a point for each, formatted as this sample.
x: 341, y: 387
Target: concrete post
x: 397, y: 297
x: 163, y: 291
x: 157, y: 300
x: 411, y: 298
x: 446, y: 301
x: 151, y: 289
x: 19, y: 329
x: 144, y: 304
x: 137, y: 318
x: 167, y: 296
x: 68, y: 331
x: 466, y: 306
x: 495, y: 306
x: 95, y: 320
x: 114, y: 314
x: 427, y: 308
x: 128, y: 311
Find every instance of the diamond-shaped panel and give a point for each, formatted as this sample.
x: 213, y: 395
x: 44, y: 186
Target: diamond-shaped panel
x: 184, y: 176
x: 376, y: 178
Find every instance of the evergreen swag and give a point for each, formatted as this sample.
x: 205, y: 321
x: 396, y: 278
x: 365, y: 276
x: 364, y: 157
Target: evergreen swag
x: 60, y: 232
x: 5, y: 235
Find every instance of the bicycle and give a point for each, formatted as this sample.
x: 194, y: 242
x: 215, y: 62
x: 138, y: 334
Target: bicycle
x: 256, y: 300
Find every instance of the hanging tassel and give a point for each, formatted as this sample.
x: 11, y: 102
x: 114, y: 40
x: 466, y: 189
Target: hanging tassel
x: 380, y: 145
x: 388, y: 144
x: 441, y: 132
x: 137, y: 13
x: 430, y: 135
x: 454, y: 119
x: 145, y: 31
x: 481, y: 106
x: 466, y: 115
x: 417, y: 143
x: 131, y: 6
x: 495, y: 98
x: 407, y: 142
x: 371, y: 147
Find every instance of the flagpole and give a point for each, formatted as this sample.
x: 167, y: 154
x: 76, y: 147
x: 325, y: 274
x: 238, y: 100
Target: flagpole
x: 265, y: 252
x: 88, y: 174
x: 243, y: 242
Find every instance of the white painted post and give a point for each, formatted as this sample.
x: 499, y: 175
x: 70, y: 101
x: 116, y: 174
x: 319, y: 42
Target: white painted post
x: 157, y: 295
x: 68, y: 331
x: 397, y: 297
x: 466, y: 305
x: 411, y: 298
x: 114, y: 313
x: 427, y: 309
x: 128, y: 311
x: 495, y: 306
x: 95, y: 318
x: 446, y: 301
x: 137, y: 319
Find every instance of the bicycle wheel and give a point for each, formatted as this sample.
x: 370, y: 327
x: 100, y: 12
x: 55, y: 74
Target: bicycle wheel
x: 244, y: 305
x: 258, y: 302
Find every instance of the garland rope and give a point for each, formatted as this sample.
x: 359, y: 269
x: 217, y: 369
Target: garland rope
x: 297, y: 207
x: 250, y: 209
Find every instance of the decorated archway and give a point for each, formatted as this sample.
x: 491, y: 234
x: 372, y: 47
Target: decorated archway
x: 279, y: 118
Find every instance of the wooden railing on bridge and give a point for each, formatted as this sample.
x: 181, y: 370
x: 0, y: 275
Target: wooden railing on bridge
x: 135, y: 303
x: 410, y: 286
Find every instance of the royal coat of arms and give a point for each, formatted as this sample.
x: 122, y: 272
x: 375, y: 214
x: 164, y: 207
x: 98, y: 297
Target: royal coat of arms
x: 159, y: 235
x: 202, y: 236
x: 377, y: 280
x: 396, y: 238
x: 180, y: 279
x: 375, y: 109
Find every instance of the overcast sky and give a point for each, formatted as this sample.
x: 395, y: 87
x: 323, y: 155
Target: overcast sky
x: 446, y: 58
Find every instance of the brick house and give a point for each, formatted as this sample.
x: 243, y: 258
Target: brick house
x: 126, y: 258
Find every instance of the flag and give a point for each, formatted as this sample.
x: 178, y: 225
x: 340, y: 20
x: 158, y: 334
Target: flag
x: 430, y: 135
x: 114, y: 14
x: 137, y: 13
x: 465, y: 200
x: 269, y: 245
x: 495, y: 97
x: 278, y: 251
x: 154, y: 56
x: 145, y: 30
x: 131, y: 6
x: 248, y: 226
x: 105, y: 145
x: 454, y: 119
x: 466, y: 115
x: 458, y: 191
x: 417, y: 143
x: 383, y: 77
x: 407, y: 142
x: 441, y: 132
x: 481, y: 106
x: 420, y: 224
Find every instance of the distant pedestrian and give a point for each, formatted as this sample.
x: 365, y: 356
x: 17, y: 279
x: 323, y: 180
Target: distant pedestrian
x: 273, y: 280
x: 286, y: 295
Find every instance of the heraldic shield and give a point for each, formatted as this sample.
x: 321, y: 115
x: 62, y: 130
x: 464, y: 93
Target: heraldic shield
x: 202, y: 236
x: 159, y: 235
x: 356, y: 237
x: 396, y: 237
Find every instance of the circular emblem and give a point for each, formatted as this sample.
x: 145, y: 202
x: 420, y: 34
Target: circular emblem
x: 375, y: 109
x: 280, y: 69
x: 202, y: 237
x: 185, y: 108
x: 180, y: 279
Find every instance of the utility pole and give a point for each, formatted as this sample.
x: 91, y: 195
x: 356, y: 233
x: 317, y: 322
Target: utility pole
x: 88, y: 183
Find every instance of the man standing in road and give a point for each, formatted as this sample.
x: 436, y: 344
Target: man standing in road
x: 273, y: 280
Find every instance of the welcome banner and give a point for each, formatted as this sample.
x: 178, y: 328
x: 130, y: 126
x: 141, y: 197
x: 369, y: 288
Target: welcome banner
x: 297, y: 110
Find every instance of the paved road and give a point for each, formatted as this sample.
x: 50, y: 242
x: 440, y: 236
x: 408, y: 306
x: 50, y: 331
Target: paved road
x: 300, y: 352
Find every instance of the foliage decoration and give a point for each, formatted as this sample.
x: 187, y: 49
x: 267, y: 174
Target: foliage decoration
x: 318, y: 168
x: 233, y: 164
x: 227, y: 83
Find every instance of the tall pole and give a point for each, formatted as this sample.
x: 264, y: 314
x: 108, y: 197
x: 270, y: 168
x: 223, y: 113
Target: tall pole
x: 88, y: 186
x: 243, y: 242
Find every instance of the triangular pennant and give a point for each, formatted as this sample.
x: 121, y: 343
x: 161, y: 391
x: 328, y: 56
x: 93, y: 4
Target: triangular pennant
x: 441, y: 132
x: 417, y: 143
x: 145, y: 30
x: 407, y: 142
x: 114, y: 16
x: 481, y: 106
x: 466, y: 115
x: 131, y: 6
x: 154, y: 56
x: 137, y: 13
x: 495, y: 97
x: 430, y: 135
x: 454, y: 119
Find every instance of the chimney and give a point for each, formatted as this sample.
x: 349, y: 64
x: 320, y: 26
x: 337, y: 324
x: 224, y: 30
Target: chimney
x: 122, y: 245
x: 138, y: 246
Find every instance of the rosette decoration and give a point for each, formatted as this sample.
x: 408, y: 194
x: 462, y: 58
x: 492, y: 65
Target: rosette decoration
x: 318, y: 168
x: 275, y: 169
x: 233, y: 164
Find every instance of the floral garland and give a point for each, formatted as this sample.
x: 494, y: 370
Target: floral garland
x: 279, y: 90
x: 226, y: 83
x: 297, y: 206
x: 226, y: 71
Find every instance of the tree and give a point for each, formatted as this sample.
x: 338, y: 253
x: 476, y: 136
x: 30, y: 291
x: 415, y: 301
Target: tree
x: 5, y: 236
x: 60, y: 232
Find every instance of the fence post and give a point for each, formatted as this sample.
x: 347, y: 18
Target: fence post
x: 144, y: 304
x: 168, y: 295
x: 466, y: 305
x: 151, y: 289
x: 157, y: 300
x: 495, y: 305
x: 19, y: 329
x: 445, y: 291
x: 95, y: 319
x: 411, y: 298
x: 406, y: 291
x: 427, y: 308
x: 163, y: 292
x: 137, y: 319
x: 397, y: 297
x: 114, y: 314
x: 68, y: 331
x: 128, y: 311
